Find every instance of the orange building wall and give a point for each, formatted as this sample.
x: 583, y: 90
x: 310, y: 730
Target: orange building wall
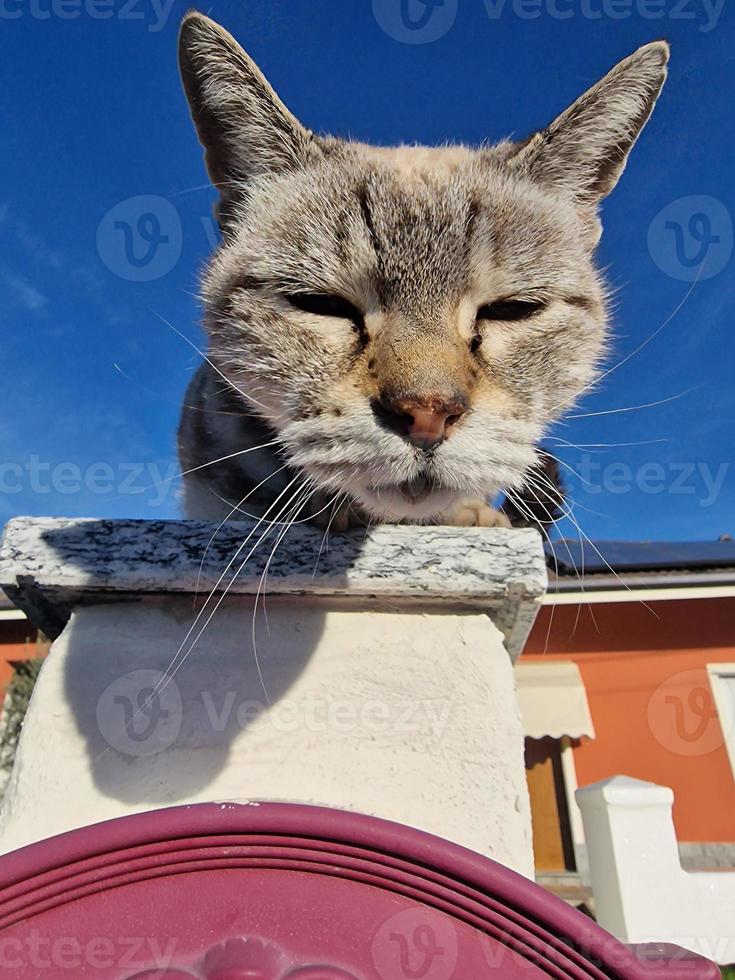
x: 651, y: 700
x: 17, y: 642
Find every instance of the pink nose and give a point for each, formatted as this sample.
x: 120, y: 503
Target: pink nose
x: 426, y: 421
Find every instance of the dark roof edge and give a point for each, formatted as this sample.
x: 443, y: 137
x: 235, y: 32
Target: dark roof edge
x: 642, y: 580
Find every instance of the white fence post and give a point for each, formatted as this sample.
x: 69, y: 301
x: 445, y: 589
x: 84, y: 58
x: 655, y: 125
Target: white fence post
x: 642, y: 894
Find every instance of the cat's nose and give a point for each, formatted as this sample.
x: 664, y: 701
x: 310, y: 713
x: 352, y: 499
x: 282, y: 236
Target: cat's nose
x: 425, y: 422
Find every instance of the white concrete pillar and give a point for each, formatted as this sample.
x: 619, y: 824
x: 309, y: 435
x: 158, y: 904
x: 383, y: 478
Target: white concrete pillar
x: 642, y: 894
x: 378, y: 683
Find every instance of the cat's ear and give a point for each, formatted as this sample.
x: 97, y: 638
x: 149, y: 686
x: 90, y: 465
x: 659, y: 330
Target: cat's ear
x: 584, y: 151
x: 244, y: 127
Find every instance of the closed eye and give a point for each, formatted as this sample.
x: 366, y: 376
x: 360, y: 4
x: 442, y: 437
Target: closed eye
x: 322, y: 304
x: 510, y: 310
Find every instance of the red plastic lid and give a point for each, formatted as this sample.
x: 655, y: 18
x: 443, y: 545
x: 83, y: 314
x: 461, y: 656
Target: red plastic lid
x: 270, y: 891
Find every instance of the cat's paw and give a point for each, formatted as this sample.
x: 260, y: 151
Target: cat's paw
x: 335, y: 518
x: 474, y: 513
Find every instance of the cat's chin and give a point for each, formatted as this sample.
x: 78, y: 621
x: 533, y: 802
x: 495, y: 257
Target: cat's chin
x: 405, y: 501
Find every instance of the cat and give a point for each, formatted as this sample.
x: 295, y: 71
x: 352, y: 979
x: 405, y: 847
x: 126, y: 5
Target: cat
x: 391, y: 331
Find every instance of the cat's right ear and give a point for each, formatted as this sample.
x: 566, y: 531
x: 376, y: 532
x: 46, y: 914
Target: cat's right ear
x: 244, y: 127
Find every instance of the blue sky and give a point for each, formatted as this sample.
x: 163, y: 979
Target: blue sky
x: 99, y: 147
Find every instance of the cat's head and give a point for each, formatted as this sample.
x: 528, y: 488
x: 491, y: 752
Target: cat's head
x: 407, y: 320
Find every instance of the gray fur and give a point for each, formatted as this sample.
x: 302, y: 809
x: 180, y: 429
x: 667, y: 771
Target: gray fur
x: 418, y: 240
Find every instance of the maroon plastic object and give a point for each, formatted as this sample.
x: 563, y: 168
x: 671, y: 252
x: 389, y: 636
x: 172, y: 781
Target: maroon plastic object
x: 274, y: 891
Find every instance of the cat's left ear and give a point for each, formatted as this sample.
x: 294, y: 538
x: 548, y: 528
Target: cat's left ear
x: 244, y: 127
x: 584, y: 151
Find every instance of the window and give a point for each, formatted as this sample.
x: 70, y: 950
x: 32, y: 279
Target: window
x: 722, y: 679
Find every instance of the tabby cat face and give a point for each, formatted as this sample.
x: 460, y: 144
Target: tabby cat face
x: 408, y: 321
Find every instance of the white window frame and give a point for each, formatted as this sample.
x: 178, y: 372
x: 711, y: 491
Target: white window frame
x: 725, y: 705
x: 571, y: 785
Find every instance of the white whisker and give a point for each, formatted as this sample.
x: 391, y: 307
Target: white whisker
x: 214, y: 367
x: 224, y: 520
x: 337, y: 503
x: 603, y: 445
x: 223, y: 596
x: 304, y: 495
x: 173, y: 666
x: 634, y: 408
x: 633, y: 353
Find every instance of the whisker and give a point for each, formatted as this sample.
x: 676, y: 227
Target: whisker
x: 205, y: 187
x: 608, y: 565
x: 223, y: 596
x: 214, y: 367
x: 165, y: 679
x: 169, y: 401
x: 635, y: 408
x: 603, y: 445
x: 561, y: 497
x: 222, y: 459
x: 637, y: 350
x: 561, y: 462
x: 580, y: 577
x: 226, y: 519
x: 202, y: 466
x: 302, y: 520
x: 337, y: 503
x: 521, y: 507
x: 304, y: 495
x: 173, y: 667
x: 263, y: 584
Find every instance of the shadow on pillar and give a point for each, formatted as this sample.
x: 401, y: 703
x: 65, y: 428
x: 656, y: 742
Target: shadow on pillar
x: 158, y: 728
x: 159, y: 691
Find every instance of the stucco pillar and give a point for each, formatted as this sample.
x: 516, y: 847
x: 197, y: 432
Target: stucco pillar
x: 373, y: 677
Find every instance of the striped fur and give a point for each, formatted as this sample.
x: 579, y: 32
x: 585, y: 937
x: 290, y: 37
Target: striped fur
x: 417, y: 240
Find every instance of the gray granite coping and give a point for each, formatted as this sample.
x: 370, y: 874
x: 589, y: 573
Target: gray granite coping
x: 47, y: 565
